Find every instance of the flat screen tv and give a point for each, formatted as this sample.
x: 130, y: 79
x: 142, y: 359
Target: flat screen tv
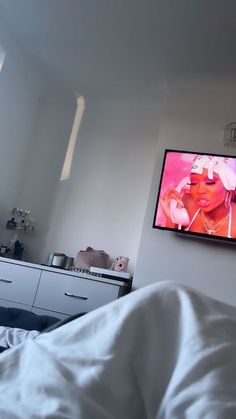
x: 196, y: 195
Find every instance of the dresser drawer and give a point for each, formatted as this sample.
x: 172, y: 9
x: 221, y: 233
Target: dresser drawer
x: 18, y: 283
x: 70, y: 294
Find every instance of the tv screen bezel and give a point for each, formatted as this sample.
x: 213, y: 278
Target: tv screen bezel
x: 184, y: 232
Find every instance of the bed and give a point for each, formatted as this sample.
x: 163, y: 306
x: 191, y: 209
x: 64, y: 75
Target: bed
x: 25, y: 319
x: 162, y: 352
x: 17, y: 324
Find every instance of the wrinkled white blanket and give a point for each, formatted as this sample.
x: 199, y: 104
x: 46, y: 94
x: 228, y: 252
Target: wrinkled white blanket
x: 164, y: 351
x: 12, y: 336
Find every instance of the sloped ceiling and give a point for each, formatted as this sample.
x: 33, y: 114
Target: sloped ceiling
x: 124, y: 47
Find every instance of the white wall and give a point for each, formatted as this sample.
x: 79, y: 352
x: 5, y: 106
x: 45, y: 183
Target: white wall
x: 42, y: 168
x: 103, y: 203
x: 195, y: 115
x: 20, y: 93
x: 36, y: 114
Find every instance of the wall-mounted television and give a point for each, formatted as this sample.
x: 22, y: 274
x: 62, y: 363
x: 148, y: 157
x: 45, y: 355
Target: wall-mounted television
x: 196, y: 195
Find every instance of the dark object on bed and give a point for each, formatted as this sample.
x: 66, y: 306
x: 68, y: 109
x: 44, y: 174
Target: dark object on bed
x: 25, y: 319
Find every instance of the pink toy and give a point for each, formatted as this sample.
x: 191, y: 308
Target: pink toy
x: 120, y: 264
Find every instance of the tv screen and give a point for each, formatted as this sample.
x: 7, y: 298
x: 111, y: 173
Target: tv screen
x: 197, y: 195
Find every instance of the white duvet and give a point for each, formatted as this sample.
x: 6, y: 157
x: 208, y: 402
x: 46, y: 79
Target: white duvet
x: 164, y: 351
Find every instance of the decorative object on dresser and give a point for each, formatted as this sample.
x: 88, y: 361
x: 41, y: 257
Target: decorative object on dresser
x: 91, y: 257
x: 110, y: 273
x: 25, y: 319
x: 120, y: 264
x: 59, y: 293
x: 60, y: 260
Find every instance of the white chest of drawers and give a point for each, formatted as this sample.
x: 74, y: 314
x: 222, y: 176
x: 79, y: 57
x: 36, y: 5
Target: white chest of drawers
x: 46, y: 290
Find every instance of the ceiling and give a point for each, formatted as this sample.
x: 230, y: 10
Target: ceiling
x: 124, y: 47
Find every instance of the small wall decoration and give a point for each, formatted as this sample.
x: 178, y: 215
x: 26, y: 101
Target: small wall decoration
x: 230, y: 135
x: 20, y: 221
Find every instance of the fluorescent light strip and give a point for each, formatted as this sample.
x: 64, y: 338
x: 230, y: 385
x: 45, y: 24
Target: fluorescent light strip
x: 2, y: 57
x: 65, y: 174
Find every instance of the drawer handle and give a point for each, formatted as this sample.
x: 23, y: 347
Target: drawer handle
x: 81, y: 297
x: 5, y: 280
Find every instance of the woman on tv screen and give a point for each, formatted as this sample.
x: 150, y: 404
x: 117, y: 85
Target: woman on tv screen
x: 204, y: 201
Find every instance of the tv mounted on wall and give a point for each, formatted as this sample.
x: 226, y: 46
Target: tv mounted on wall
x: 197, y: 196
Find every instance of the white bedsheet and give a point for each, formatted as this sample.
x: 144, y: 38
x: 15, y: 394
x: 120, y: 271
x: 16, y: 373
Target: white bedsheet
x: 164, y: 351
x: 12, y: 336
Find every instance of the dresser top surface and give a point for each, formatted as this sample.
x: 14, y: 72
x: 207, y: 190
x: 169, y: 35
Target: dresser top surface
x: 91, y: 276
